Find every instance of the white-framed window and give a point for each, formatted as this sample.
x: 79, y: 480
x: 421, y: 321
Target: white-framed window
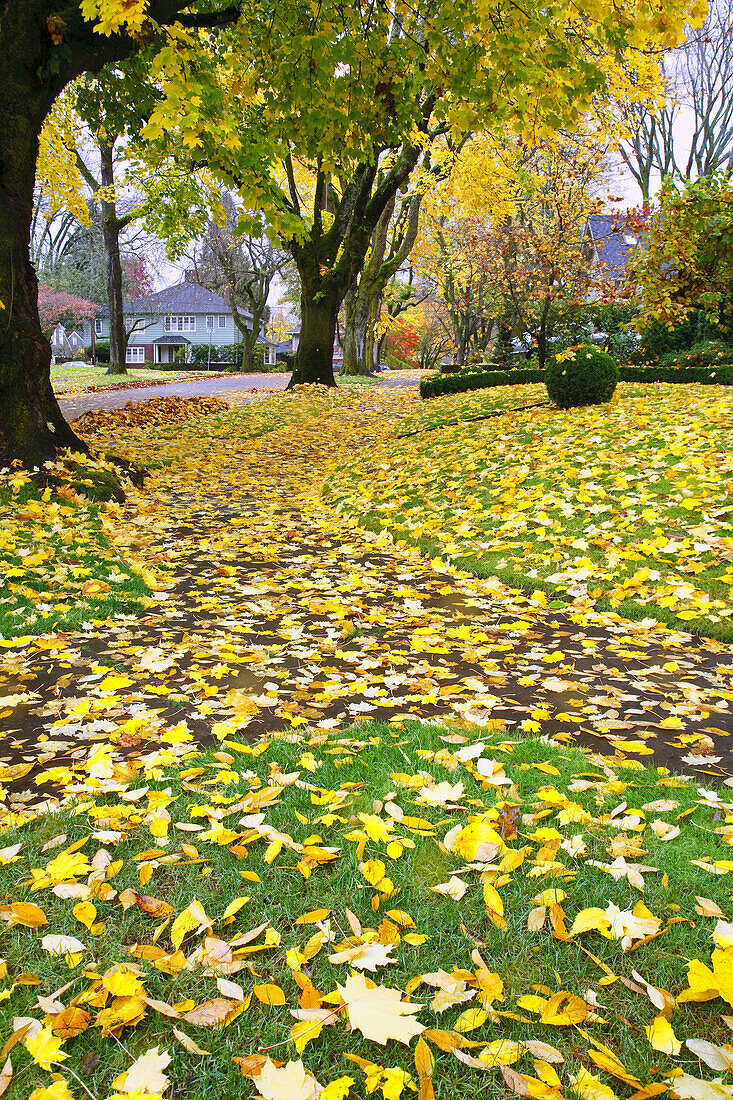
x: 209, y: 323
x: 222, y: 320
x: 97, y: 326
x: 135, y: 354
x: 271, y: 355
x: 180, y: 322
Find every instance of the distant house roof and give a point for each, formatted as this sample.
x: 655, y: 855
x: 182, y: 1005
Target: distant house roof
x: 184, y: 297
x: 613, y: 242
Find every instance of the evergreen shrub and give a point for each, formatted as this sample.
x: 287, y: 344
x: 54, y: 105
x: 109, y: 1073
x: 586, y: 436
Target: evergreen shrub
x: 102, y: 348
x: 584, y: 375
x: 705, y: 353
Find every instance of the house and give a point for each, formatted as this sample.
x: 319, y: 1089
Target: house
x: 65, y: 345
x: 608, y: 242
x: 289, y: 346
x: 174, y: 319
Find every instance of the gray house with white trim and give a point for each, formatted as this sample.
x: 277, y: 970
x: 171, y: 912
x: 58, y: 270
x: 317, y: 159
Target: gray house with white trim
x: 178, y: 317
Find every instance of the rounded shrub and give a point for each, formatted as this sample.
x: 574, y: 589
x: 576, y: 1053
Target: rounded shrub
x: 583, y: 375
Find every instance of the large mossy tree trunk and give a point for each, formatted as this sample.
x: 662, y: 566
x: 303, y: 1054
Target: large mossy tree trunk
x: 357, y: 360
x: 321, y: 298
x: 44, y: 44
x: 31, y: 423
x: 111, y: 231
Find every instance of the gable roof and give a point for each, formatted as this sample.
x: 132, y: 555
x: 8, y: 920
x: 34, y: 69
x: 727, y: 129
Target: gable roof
x: 613, y: 241
x: 184, y: 297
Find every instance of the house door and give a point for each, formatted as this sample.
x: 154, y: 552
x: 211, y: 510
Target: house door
x: 165, y: 353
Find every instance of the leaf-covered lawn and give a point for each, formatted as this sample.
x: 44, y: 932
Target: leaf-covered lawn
x: 394, y: 909
x: 626, y: 506
x: 58, y: 561
x: 398, y: 909
x: 67, y: 379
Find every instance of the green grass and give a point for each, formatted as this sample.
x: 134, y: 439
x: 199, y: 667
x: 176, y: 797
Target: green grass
x: 356, y: 380
x: 58, y: 565
x: 625, y: 506
x: 65, y: 378
x: 366, y: 764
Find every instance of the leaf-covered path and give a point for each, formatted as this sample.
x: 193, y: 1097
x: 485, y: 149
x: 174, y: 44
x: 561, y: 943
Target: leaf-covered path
x: 274, y: 612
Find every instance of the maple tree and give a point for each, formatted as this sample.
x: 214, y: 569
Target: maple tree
x: 686, y: 264
x: 45, y: 48
x: 510, y: 249
x: 58, y: 308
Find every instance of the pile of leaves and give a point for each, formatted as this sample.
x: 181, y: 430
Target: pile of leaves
x: 625, y: 507
x: 141, y: 414
x: 406, y: 910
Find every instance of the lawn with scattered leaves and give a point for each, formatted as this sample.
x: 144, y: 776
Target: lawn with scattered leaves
x: 390, y: 910
x: 57, y: 556
x: 67, y: 378
x: 626, y: 506
x: 331, y: 908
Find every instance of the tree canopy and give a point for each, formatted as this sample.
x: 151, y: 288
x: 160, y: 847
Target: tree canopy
x: 357, y: 91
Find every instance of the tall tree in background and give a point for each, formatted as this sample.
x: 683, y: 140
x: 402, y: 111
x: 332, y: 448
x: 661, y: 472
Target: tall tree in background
x: 90, y: 163
x: 512, y: 247
x: 241, y: 266
x: 691, y: 133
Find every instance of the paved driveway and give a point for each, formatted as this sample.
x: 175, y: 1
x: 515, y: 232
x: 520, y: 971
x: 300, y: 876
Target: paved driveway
x: 118, y: 398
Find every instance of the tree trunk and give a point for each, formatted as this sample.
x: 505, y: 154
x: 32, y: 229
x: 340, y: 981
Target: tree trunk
x: 320, y: 303
x: 541, y: 338
x: 356, y: 333
x: 349, y: 344
x: 371, y: 345
x: 249, y: 342
x: 32, y: 426
x: 111, y: 231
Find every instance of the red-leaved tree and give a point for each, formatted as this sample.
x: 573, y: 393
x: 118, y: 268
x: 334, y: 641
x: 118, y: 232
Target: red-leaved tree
x: 59, y: 308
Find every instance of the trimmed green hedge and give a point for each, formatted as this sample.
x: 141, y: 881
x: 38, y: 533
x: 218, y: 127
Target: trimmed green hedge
x: 707, y: 376
x: 438, y: 384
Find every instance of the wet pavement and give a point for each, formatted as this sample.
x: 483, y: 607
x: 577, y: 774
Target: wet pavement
x: 238, y: 383
x: 118, y: 398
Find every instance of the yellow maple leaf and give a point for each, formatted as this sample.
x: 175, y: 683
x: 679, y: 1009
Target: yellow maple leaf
x: 662, y: 1037
x: 45, y: 1048
x: 378, y: 1012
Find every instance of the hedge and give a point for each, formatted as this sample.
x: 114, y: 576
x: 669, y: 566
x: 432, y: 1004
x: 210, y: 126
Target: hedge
x: 438, y: 384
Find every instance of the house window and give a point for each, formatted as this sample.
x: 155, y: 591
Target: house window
x: 179, y: 322
x: 222, y: 320
x: 97, y: 326
x: 135, y: 354
x: 209, y: 324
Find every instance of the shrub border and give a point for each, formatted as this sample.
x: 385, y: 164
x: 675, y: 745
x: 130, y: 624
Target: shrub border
x: 436, y: 385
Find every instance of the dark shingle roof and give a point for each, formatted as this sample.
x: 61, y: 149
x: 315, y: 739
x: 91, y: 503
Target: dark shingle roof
x: 614, y: 241
x: 185, y: 297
